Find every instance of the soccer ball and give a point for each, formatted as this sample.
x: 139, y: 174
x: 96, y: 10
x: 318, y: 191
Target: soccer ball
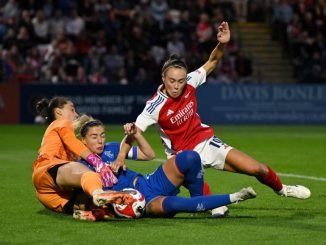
x: 133, y: 210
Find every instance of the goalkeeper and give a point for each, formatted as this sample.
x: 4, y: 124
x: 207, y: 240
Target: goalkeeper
x: 57, y: 175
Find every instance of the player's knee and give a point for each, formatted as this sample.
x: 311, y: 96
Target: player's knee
x: 187, y: 160
x: 156, y: 208
x: 260, y: 170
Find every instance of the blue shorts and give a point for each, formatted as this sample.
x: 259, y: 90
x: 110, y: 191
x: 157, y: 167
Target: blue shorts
x: 155, y: 184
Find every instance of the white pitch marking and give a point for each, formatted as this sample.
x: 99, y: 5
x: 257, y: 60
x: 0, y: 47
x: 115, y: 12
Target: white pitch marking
x: 302, y: 176
x: 280, y: 174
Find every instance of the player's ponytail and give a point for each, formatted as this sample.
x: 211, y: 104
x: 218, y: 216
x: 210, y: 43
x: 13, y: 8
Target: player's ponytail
x: 174, y: 61
x: 45, y: 107
x: 42, y: 108
x: 174, y: 57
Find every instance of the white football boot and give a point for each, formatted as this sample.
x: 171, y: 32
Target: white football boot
x: 242, y: 195
x: 296, y: 191
x: 219, y: 212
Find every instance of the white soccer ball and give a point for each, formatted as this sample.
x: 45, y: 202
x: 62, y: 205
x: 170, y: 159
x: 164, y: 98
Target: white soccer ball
x: 133, y: 210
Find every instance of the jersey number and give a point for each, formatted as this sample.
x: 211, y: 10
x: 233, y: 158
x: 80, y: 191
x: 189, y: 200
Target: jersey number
x: 216, y: 142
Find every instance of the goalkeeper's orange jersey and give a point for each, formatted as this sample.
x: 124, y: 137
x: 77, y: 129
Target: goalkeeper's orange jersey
x: 59, y: 145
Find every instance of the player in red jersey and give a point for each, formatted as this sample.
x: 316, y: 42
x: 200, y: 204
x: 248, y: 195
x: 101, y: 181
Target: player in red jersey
x: 174, y: 108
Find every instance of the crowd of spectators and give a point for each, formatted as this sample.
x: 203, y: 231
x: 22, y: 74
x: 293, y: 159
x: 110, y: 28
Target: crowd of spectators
x: 300, y: 25
x: 111, y: 41
x: 126, y: 42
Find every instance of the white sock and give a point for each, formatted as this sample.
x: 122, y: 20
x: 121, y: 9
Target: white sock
x: 234, y: 197
x: 282, y: 192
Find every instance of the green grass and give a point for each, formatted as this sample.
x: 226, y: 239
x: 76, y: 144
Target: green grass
x: 268, y: 219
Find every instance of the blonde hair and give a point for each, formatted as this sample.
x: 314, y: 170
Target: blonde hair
x: 80, y: 123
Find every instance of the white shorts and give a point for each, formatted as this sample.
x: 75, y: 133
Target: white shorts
x: 213, y: 152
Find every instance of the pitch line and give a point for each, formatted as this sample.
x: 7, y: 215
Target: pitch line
x: 302, y: 176
x: 280, y: 174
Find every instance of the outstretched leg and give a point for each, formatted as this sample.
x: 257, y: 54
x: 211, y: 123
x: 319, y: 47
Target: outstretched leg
x: 237, y: 161
x: 170, y: 205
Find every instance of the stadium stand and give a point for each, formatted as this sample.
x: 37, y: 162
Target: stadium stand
x: 300, y: 26
x: 125, y: 42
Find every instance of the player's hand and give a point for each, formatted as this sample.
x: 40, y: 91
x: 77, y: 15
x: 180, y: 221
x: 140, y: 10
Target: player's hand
x: 130, y: 128
x: 107, y: 176
x: 117, y: 164
x: 223, y: 34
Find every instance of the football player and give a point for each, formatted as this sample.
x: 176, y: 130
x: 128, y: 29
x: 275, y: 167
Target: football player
x: 174, y: 108
x: 57, y: 174
x: 161, y: 187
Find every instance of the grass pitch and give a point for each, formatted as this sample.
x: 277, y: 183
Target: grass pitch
x: 297, y: 153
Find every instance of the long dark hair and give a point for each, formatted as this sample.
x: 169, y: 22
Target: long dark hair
x: 173, y: 61
x: 45, y: 107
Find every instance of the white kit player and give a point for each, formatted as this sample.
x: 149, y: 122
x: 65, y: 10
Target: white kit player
x: 174, y: 108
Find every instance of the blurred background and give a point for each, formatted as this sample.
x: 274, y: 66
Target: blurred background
x: 107, y: 55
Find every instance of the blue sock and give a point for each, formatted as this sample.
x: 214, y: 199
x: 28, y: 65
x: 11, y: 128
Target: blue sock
x: 189, y: 163
x: 175, y: 204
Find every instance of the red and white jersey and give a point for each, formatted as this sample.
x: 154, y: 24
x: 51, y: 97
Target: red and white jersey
x: 179, y: 124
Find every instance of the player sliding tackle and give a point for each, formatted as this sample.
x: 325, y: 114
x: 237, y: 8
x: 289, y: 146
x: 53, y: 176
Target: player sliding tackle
x: 174, y: 108
x: 160, y: 187
x: 58, y: 177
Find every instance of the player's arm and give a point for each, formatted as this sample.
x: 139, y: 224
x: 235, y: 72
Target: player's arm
x: 144, y: 120
x: 125, y: 147
x: 223, y: 37
x: 72, y: 143
x: 144, y: 150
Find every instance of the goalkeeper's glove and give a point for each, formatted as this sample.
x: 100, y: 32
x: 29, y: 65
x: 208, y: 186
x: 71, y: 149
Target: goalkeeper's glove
x: 107, y: 176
